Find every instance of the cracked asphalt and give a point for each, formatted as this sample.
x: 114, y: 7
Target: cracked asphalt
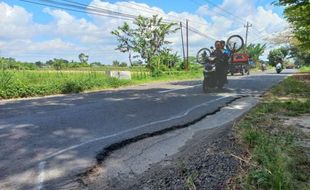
x: 47, y: 141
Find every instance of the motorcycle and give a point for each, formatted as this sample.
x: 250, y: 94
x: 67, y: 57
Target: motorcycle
x: 234, y: 44
x: 204, y: 57
x: 279, y: 68
x: 263, y: 67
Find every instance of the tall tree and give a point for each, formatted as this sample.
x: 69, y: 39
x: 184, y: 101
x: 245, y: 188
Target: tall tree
x: 125, y: 39
x: 274, y: 55
x: 147, y: 37
x: 83, y: 58
x: 293, y: 50
x: 297, y: 12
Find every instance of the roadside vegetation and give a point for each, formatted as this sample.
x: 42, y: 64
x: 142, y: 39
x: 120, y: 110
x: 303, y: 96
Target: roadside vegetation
x: 149, y: 60
x: 15, y: 84
x: 276, y: 159
x: 305, y: 69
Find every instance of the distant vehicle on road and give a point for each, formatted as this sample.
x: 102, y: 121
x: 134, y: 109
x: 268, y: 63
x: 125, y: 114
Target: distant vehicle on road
x: 279, y: 68
x: 290, y: 67
x: 239, y: 64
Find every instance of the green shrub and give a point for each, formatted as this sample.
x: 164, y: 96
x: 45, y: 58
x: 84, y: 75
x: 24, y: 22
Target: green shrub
x: 72, y: 87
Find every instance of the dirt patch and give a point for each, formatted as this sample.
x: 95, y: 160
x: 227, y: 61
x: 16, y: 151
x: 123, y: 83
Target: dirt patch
x: 302, y: 76
x: 301, y: 123
x: 206, y: 162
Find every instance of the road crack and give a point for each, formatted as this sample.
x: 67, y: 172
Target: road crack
x: 108, y: 150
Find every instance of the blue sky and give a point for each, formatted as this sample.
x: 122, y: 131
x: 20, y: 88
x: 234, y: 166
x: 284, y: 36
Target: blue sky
x: 177, y: 6
x: 49, y: 32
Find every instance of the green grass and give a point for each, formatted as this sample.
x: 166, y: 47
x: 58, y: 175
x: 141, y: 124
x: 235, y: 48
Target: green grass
x: 305, y: 69
x: 292, y: 87
x: 276, y: 160
x: 15, y: 84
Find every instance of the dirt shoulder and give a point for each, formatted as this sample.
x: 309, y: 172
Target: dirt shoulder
x: 208, y: 161
x: 276, y: 135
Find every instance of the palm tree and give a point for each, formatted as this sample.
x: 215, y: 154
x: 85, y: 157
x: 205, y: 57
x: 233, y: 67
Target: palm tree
x: 255, y: 51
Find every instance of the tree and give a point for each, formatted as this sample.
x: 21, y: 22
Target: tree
x: 39, y: 64
x: 147, y: 38
x: 125, y: 39
x: 297, y: 13
x: 255, y: 51
x: 96, y: 64
x: 116, y: 63
x: 83, y: 58
x: 59, y: 64
x: 123, y: 64
x: 137, y: 63
x: 168, y: 59
x: 293, y: 50
x: 274, y: 56
x: 301, y: 57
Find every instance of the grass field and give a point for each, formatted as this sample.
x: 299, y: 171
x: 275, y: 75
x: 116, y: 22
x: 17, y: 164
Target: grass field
x: 305, y: 69
x: 276, y: 160
x: 15, y: 84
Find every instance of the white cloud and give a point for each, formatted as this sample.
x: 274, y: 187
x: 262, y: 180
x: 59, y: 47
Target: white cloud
x: 93, y: 35
x: 16, y: 23
x: 65, y: 24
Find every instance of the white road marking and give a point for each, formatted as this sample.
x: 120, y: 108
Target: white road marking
x: 171, y: 90
x: 41, y: 176
x: 43, y: 163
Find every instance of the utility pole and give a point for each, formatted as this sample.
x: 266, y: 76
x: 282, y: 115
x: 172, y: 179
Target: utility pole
x: 247, y: 26
x: 182, y: 37
x: 187, y: 62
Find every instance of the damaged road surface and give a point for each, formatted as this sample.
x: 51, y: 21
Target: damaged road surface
x: 167, y: 161
x: 46, y: 142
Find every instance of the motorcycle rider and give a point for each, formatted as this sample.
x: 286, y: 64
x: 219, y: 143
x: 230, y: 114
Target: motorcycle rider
x: 279, y: 65
x: 227, y: 54
x: 263, y: 66
x: 221, y: 64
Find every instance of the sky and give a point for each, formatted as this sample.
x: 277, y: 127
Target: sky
x: 32, y: 32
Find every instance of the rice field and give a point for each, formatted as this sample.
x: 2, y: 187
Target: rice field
x: 19, y: 84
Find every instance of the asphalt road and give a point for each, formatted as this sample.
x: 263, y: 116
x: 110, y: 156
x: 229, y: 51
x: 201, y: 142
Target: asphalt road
x: 44, y: 142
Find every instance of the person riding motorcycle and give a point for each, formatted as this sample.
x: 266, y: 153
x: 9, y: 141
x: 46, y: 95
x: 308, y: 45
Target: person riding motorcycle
x: 279, y: 66
x: 221, y: 64
x: 227, y: 55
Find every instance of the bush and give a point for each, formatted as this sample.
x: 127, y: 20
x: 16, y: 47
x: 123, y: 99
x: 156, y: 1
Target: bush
x: 6, y: 79
x: 72, y: 87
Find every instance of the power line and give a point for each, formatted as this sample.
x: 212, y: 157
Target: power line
x: 155, y: 11
x: 227, y: 12
x: 234, y: 17
x: 84, y: 8
x: 74, y: 10
x: 73, y: 6
x: 94, y: 10
x: 200, y: 33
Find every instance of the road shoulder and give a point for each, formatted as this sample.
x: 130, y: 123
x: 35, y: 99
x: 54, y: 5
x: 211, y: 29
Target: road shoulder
x: 205, y: 151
